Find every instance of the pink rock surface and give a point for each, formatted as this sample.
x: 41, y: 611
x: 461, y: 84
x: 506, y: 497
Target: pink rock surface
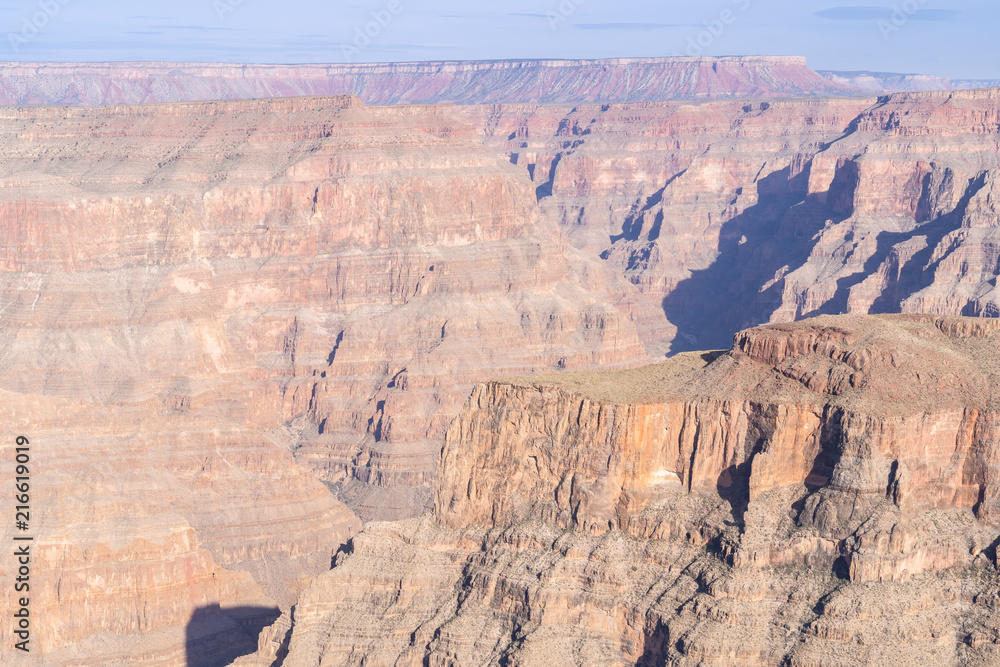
x: 462, y: 82
x: 209, y: 309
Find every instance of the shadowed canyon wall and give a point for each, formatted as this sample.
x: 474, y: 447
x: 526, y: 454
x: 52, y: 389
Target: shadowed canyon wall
x: 729, y: 214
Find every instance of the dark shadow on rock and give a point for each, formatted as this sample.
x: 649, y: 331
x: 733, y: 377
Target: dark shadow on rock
x: 733, y: 485
x: 771, y: 238
x: 655, y: 647
x: 916, y: 273
x: 992, y: 552
x: 215, y: 637
x: 347, y: 548
x: 842, y: 569
x: 282, y: 652
x: 911, y: 277
x: 709, y: 357
x: 545, y: 189
x: 830, y: 450
x: 919, y: 271
x: 632, y: 227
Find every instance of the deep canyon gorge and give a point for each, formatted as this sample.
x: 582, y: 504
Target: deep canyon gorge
x: 640, y: 362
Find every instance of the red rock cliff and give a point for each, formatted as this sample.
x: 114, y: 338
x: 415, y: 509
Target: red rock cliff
x: 822, y: 494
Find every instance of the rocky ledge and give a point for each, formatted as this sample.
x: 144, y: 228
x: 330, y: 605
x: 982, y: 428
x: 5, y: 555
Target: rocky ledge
x: 823, y: 493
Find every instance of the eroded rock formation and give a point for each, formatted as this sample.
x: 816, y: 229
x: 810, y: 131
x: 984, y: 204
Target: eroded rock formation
x: 824, y: 493
x: 219, y: 318
x: 208, y: 308
x: 884, y: 82
x: 730, y: 214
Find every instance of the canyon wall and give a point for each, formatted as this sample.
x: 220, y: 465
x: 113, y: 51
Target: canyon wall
x: 219, y: 318
x: 456, y: 82
x: 728, y: 214
x: 234, y: 330
x: 824, y: 493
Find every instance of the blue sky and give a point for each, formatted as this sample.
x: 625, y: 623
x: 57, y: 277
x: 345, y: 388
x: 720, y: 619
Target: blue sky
x: 955, y: 39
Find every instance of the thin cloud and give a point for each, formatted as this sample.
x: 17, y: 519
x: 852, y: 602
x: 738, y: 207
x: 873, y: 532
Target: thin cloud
x: 936, y: 14
x: 190, y: 27
x: 869, y: 13
x: 628, y: 26
x: 413, y: 47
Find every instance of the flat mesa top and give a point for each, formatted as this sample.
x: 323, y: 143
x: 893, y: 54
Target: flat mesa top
x: 648, y: 384
x: 880, y: 365
x: 180, y: 66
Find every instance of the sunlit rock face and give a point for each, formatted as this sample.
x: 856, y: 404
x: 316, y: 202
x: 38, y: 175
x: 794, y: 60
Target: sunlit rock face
x: 824, y: 493
x: 219, y: 318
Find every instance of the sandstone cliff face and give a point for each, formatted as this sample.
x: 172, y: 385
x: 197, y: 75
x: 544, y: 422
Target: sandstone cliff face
x: 209, y: 308
x: 726, y: 215
x: 468, y: 82
x: 822, y: 494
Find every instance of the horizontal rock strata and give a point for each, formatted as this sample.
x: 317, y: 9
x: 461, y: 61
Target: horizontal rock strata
x: 461, y: 82
x: 891, y: 82
x: 730, y: 214
x: 208, y: 308
x: 821, y: 494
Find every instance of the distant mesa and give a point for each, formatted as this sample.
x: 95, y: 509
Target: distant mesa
x: 458, y: 82
x: 895, y: 82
